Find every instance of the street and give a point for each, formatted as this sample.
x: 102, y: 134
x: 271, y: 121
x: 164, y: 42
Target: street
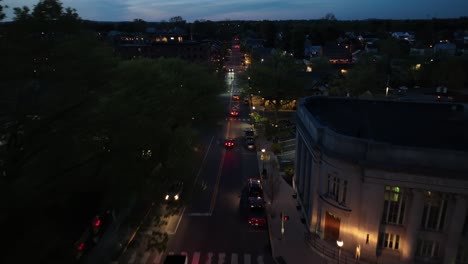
x: 212, y: 229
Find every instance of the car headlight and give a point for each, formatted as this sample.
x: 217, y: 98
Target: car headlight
x: 176, y: 197
x: 167, y: 197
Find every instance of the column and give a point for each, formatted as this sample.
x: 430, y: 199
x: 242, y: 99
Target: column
x: 299, y: 163
x: 315, y: 191
x: 413, y: 225
x: 317, y: 212
x: 308, y: 174
x: 455, y: 228
x: 303, y: 172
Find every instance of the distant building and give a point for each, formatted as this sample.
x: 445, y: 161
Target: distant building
x: 312, y: 51
x: 387, y: 177
x: 162, y: 44
x: 446, y: 48
x: 253, y: 43
x: 404, y: 36
x: 337, y: 54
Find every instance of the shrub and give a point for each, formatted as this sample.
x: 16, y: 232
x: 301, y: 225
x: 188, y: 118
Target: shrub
x: 276, y: 148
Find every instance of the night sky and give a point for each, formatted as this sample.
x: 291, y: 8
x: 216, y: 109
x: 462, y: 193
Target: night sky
x: 216, y: 10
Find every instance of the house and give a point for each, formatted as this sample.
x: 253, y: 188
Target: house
x: 370, y: 45
x: 337, y: 54
x: 446, y: 48
x: 421, y: 49
x: 404, y: 36
x: 313, y: 51
x: 196, y: 51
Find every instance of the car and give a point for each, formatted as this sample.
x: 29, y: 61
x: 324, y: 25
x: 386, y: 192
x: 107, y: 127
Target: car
x: 256, y: 216
x: 231, y: 69
x: 250, y: 143
x: 256, y: 202
x: 246, y: 101
x: 174, y: 192
x: 235, y: 97
x: 229, y: 143
x: 254, y: 188
x: 234, y: 113
x: 249, y: 133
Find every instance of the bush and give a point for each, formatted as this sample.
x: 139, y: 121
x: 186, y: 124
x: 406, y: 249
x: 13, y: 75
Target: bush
x: 276, y: 148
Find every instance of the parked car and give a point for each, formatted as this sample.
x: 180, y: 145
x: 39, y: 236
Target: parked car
x: 254, y: 188
x: 250, y: 143
x: 256, y: 216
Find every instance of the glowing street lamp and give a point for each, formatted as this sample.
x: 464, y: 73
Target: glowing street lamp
x: 263, y: 156
x: 339, y: 242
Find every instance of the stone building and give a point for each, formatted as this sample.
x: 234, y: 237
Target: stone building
x: 388, y: 178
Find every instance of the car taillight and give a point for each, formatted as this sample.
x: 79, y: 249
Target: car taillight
x: 81, y: 246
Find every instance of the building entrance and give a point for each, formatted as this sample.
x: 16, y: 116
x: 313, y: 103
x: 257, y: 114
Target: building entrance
x: 332, y: 227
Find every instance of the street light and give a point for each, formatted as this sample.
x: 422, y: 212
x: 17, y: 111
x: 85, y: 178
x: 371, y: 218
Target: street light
x: 340, y: 244
x: 263, y: 156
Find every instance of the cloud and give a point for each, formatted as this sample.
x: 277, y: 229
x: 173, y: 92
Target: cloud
x: 190, y: 10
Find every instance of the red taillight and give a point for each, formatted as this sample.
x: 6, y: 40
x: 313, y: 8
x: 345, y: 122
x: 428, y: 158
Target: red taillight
x: 97, y: 223
x: 81, y: 246
x: 256, y: 221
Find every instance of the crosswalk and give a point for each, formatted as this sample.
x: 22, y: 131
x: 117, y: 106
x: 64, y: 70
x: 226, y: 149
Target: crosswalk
x: 201, y: 258
x: 238, y: 119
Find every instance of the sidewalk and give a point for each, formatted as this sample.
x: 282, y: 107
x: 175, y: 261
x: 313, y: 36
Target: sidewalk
x: 291, y: 246
x: 138, y: 252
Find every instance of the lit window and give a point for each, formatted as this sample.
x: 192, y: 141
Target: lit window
x: 390, y: 241
x: 394, y: 206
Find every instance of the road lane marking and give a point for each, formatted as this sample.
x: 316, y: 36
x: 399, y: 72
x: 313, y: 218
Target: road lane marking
x: 221, y: 258
x: 260, y: 260
x: 234, y: 258
x: 157, y: 259
x: 246, y: 258
x: 199, y: 214
x: 220, y: 169
x: 145, y: 257
x: 210, y: 255
x: 196, y: 258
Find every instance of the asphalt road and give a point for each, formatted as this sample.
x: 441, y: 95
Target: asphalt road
x: 213, y: 228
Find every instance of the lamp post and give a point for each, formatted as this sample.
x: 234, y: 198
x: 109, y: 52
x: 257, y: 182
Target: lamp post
x: 263, y: 158
x: 339, y: 242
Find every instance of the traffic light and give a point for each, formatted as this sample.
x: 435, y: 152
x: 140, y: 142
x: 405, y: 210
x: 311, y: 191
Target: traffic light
x: 286, y: 218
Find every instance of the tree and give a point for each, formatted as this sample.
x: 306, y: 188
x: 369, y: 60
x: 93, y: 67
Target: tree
x: 273, y: 183
x: 329, y: 17
x: 2, y: 14
x: 277, y: 79
x: 46, y: 16
x: 176, y: 19
x: 361, y: 78
x: 48, y: 10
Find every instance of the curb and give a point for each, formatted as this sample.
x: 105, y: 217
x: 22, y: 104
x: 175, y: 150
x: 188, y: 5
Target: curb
x: 270, y: 236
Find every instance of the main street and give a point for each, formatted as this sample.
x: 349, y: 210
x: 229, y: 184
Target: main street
x: 212, y: 228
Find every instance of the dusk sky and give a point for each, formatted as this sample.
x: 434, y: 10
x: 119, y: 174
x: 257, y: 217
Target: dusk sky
x: 216, y: 10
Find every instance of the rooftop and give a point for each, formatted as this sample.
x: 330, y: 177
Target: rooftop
x: 413, y: 124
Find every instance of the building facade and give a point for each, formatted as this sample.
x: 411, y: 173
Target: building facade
x: 389, y: 179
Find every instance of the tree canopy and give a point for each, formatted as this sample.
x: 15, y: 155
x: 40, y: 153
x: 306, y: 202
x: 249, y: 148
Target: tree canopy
x: 89, y: 131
